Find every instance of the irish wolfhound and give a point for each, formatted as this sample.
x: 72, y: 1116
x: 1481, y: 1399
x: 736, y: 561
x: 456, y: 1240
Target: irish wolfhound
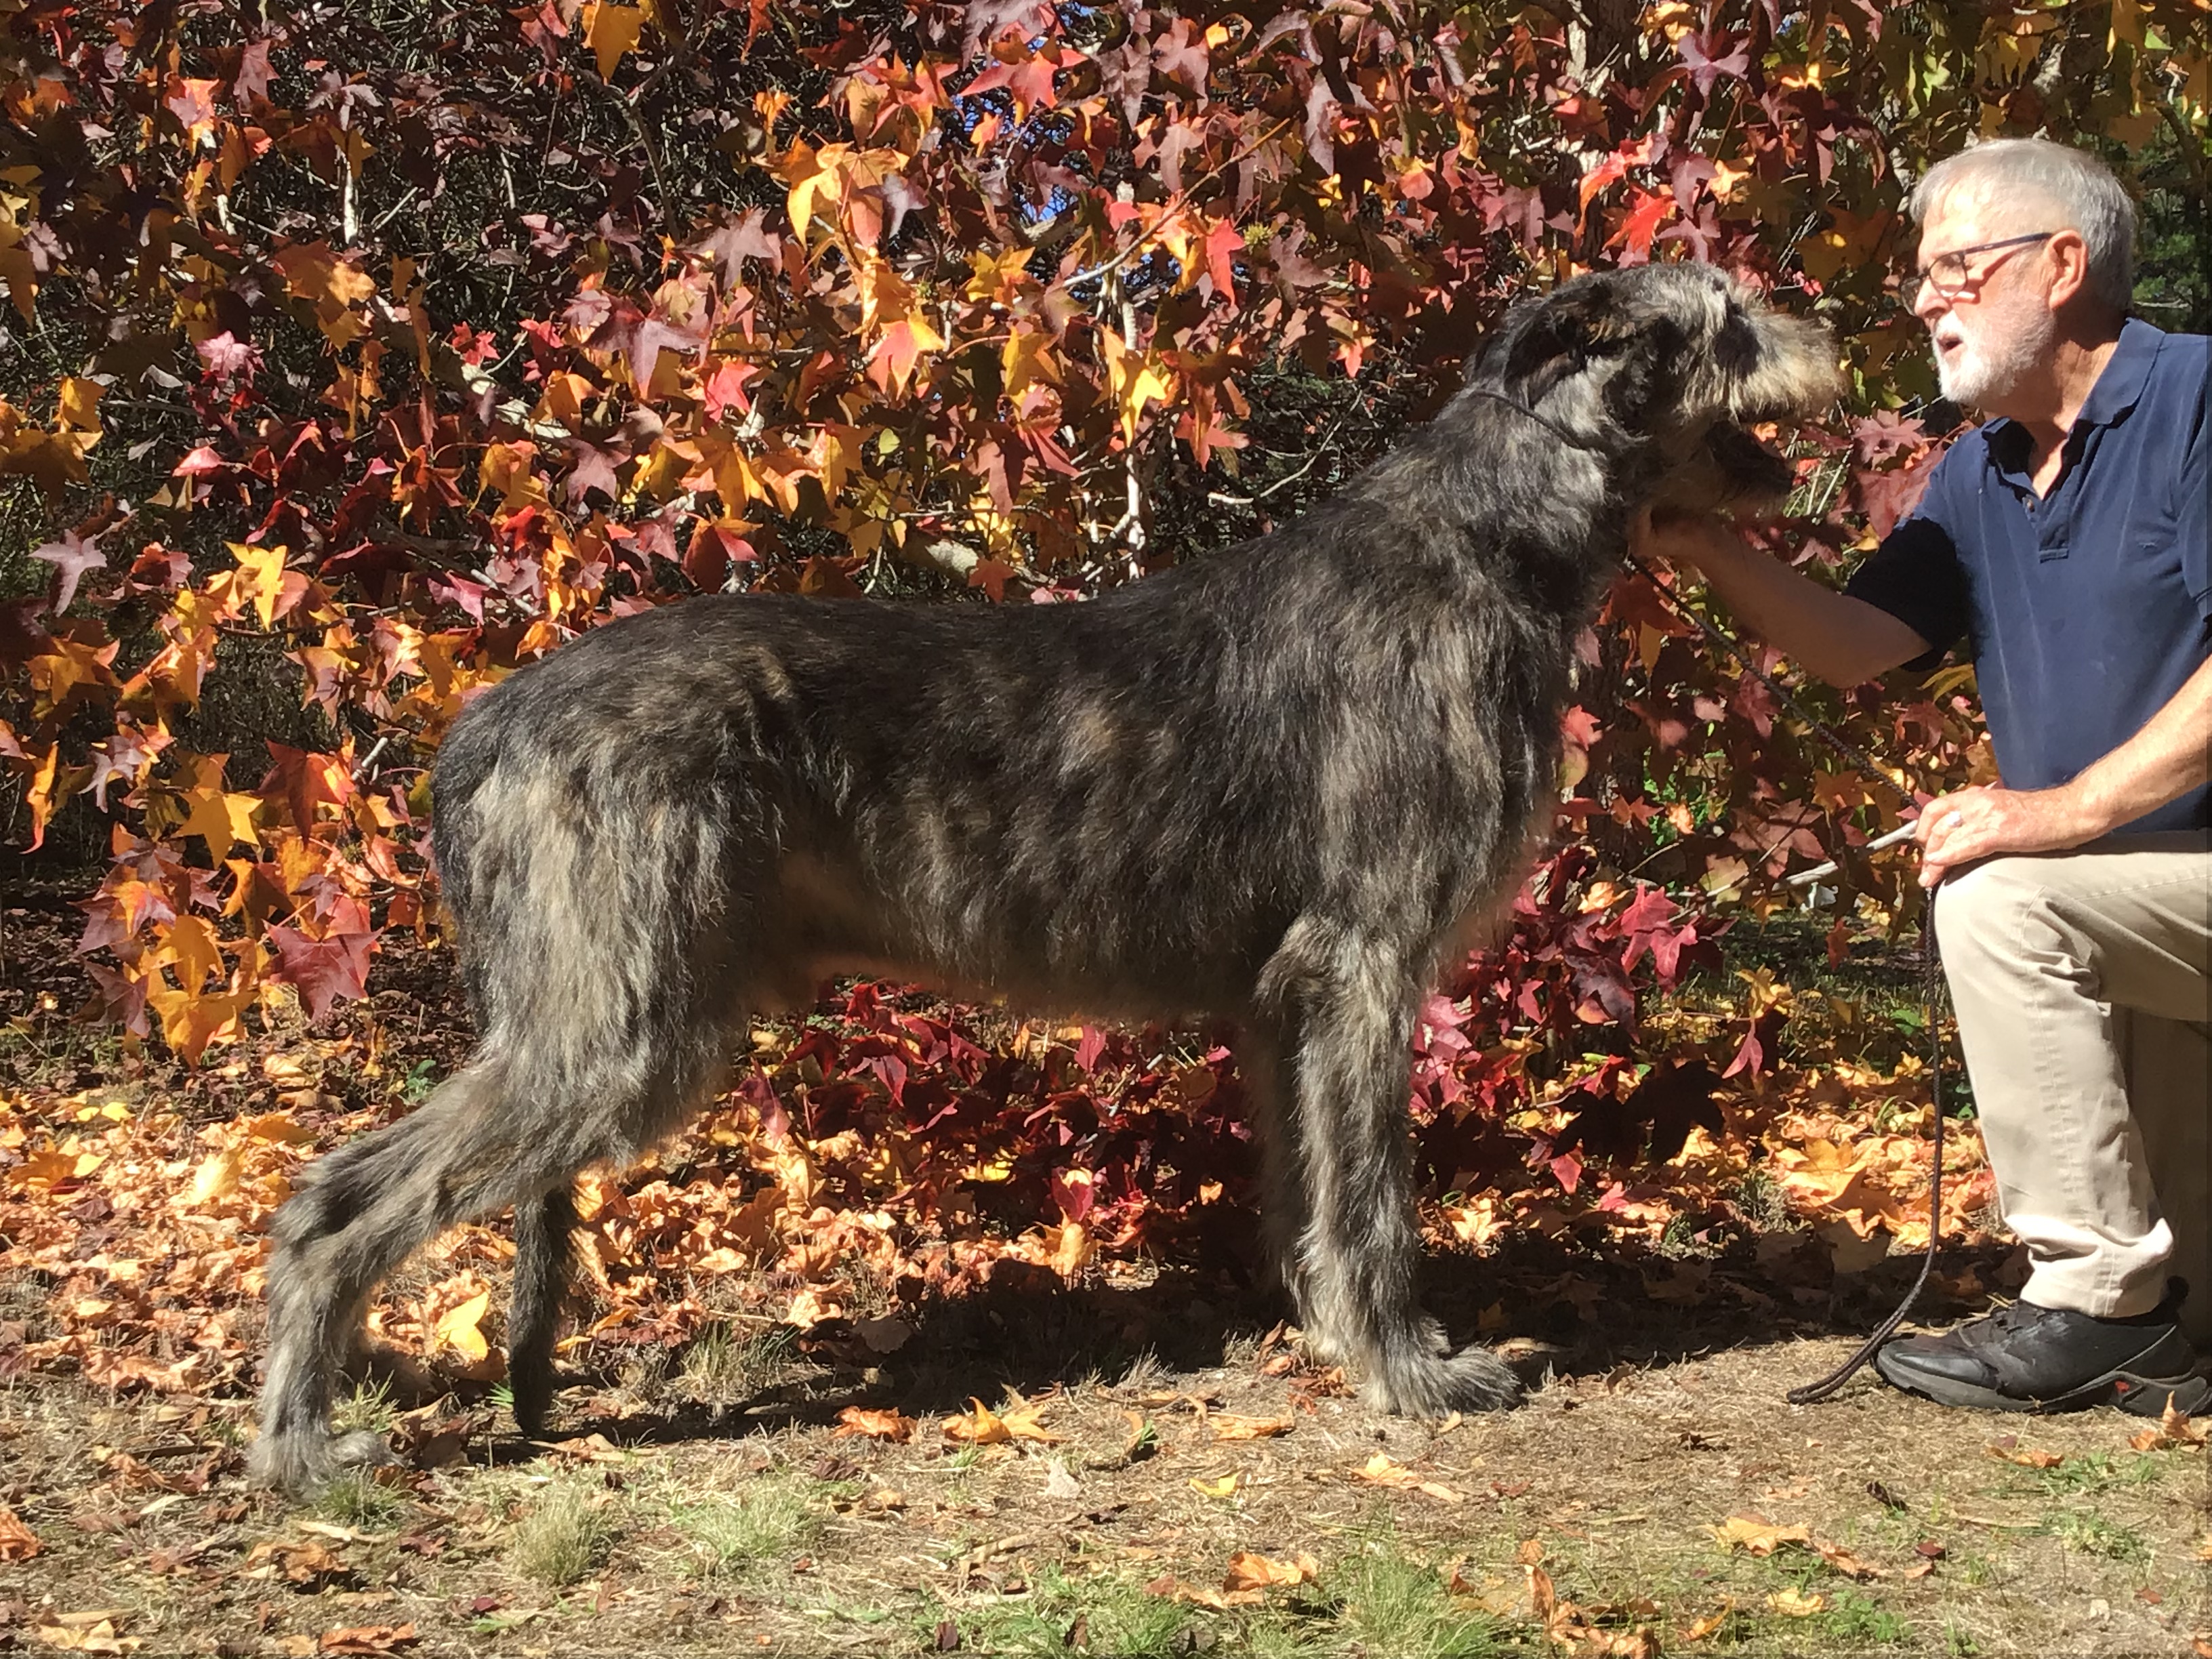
x: 1282, y: 784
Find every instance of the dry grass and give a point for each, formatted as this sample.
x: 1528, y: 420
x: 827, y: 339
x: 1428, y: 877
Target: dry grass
x: 673, y: 1534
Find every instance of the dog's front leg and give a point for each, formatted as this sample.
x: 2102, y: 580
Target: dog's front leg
x: 1350, y: 1008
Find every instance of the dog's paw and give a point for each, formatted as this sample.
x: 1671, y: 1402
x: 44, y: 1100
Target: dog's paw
x: 300, y: 1465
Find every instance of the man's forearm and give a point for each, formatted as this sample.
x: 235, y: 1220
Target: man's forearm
x: 1831, y: 636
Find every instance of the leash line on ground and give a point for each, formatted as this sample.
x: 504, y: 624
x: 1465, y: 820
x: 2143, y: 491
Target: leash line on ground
x: 1932, y: 983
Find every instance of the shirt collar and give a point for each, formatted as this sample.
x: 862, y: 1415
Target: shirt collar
x: 2119, y: 386
x: 2122, y: 380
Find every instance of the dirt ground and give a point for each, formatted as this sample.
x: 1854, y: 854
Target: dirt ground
x: 719, y: 1505
x: 1152, y: 1469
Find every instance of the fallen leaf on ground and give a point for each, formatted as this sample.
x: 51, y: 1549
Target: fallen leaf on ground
x: 1221, y: 1487
x: 1226, y: 1427
x: 984, y: 1428
x: 1700, y: 1629
x: 300, y: 1564
x: 2028, y: 1457
x: 884, y: 1335
x: 86, y: 1632
x: 1022, y: 1425
x: 1846, y: 1563
x: 1383, y: 1471
x: 1543, y: 1597
x: 1248, y: 1571
x: 366, y: 1639
x: 1169, y: 1587
x: 461, y: 1328
x: 891, y: 1424
x: 17, y: 1541
x: 1756, y: 1535
x: 1796, y: 1604
x: 2173, y: 1428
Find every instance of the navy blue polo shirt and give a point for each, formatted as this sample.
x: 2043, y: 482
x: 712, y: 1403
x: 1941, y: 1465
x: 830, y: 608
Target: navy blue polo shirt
x: 2083, y: 612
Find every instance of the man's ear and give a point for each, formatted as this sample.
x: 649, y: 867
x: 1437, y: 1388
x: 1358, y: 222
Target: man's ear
x: 2070, y: 259
x: 1565, y: 329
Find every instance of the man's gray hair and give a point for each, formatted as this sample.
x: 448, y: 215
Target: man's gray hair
x: 2071, y: 183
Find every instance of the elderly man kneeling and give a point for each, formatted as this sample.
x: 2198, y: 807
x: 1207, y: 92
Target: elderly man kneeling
x: 2061, y: 546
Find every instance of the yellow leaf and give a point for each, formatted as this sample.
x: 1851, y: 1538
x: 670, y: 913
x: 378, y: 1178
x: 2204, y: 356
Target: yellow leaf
x: 1228, y: 1427
x: 50, y: 1167
x: 315, y: 271
x: 610, y: 31
x: 458, y: 1327
x: 1223, y: 1486
x: 281, y: 1129
x: 1796, y: 1604
x: 1756, y: 1535
x: 79, y: 408
x: 191, y: 1022
x: 824, y: 177
x: 220, y: 819
x: 217, y: 1177
x: 983, y: 1429
x: 190, y: 945
x: 38, y: 793
x: 259, y: 578
x: 1385, y: 1472
x: 1135, y: 379
x: 1021, y: 1423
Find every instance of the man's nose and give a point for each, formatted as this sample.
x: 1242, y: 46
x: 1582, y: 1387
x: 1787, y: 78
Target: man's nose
x: 1928, y: 304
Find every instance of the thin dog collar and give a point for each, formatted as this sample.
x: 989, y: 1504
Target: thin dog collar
x: 1548, y: 425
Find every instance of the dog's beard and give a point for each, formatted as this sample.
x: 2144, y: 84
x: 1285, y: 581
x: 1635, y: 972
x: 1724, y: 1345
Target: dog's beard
x: 1993, y: 366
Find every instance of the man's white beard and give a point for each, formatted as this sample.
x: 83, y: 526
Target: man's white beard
x: 1983, y: 371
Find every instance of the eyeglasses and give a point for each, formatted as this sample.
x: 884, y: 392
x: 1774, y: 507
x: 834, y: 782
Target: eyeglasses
x: 1948, y: 273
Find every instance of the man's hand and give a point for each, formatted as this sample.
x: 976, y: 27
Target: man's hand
x: 1980, y: 823
x: 1673, y: 537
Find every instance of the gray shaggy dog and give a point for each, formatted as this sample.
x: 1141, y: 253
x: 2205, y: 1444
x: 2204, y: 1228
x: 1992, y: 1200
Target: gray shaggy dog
x: 1282, y: 785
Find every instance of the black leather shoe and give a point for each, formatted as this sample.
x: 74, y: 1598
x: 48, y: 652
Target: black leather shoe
x: 2026, y: 1359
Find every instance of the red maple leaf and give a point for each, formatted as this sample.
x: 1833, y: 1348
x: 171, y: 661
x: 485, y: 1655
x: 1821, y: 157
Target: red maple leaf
x: 322, y: 969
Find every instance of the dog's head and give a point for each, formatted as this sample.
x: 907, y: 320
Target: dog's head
x: 1677, y: 359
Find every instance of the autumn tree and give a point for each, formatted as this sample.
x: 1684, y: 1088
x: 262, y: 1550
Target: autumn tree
x: 355, y: 354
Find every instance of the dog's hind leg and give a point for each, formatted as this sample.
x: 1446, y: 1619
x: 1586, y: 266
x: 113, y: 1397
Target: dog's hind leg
x: 1284, y: 1213
x: 1350, y: 1001
x: 503, y: 1130
x: 545, y: 1255
x: 366, y: 1206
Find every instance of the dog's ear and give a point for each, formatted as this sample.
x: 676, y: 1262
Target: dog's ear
x: 1562, y: 332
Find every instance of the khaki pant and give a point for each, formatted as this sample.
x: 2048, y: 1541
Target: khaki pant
x: 2083, y: 985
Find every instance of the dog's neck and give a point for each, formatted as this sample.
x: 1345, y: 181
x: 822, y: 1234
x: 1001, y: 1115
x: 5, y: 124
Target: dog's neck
x: 1544, y: 421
